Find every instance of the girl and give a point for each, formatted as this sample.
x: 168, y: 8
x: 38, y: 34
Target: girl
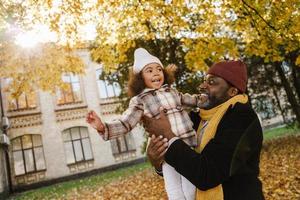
x: 149, y: 87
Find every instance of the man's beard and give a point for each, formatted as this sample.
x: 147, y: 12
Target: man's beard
x: 213, y: 101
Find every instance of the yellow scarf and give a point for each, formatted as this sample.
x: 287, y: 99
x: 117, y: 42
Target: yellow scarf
x: 214, y: 116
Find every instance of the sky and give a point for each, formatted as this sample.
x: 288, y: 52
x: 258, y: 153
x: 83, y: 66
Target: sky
x: 41, y: 33
x: 37, y: 32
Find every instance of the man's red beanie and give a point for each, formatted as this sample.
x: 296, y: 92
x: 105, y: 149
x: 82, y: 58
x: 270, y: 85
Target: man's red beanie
x: 234, y: 72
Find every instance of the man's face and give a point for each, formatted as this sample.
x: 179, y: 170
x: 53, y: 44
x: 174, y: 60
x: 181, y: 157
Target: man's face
x: 216, y: 89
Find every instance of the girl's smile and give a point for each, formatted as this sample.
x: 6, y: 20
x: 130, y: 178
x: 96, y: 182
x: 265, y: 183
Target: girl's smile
x: 153, y: 75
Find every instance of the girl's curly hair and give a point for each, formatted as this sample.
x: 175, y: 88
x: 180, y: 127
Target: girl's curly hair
x: 136, y: 82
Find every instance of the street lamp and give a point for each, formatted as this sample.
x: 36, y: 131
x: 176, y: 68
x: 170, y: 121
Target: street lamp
x: 4, y: 140
x: 5, y: 121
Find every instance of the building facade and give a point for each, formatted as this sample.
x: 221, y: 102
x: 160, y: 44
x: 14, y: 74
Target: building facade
x: 50, y: 138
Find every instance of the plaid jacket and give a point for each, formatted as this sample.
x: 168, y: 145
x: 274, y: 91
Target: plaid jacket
x: 148, y: 103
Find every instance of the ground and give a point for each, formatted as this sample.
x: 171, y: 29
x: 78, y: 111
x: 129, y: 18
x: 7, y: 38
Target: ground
x: 280, y: 174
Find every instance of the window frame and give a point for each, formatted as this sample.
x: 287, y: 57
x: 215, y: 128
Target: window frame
x: 17, y: 100
x: 124, y: 138
x: 22, y: 150
x: 106, y: 85
x: 81, y: 145
x: 8, y: 99
x: 63, y: 92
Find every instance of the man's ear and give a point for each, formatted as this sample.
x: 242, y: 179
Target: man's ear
x: 233, y: 91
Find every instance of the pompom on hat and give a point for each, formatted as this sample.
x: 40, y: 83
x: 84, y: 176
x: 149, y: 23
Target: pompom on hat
x: 142, y: 58
x: 234, y: 72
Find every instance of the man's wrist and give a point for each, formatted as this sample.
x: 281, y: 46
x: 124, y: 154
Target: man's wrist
x: 173, y: 139
x: 170, y: 135
x: 158, y: 171
x: 158, y: 168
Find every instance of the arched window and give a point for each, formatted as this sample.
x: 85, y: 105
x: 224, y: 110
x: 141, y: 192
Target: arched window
x: 28, y: 154
x: 77, y: 145
x: 72, y: 92
x: 106, y: 89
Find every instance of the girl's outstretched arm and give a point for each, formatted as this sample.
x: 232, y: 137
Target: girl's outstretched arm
x: 94, y: 120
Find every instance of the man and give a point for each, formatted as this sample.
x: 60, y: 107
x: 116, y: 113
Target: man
x: 225, y: 165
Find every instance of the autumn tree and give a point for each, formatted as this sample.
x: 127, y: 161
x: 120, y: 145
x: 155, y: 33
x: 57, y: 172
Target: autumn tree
x: 208, y: 31
x: 40, y: 66
x: 269, y: 30
x: 192, y: 34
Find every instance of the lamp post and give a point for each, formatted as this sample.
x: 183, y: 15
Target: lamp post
x: 4, y: 127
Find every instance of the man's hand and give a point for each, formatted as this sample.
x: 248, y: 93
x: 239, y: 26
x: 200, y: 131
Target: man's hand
x: 94, y: 120
x: 156, y: 151
x: 159, y: 126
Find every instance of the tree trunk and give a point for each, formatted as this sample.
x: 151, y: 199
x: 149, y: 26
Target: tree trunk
x: 278, y: 104
x: 289, y: 91
x: 296, y: 79
x: 273, y: 84
x: 291, y: 58
x: 295, y: 74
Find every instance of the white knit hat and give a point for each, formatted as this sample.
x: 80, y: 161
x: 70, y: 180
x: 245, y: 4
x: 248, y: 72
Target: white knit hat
x: 142, y: 58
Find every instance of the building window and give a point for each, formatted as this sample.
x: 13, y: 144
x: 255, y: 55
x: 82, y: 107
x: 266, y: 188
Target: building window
x: 77, y: 145
x: 24, y: 102
x: 71, y: 93
x: 28, y: 154
x: 27, y: 100
x: 107, y: 89
x: 122, y: 144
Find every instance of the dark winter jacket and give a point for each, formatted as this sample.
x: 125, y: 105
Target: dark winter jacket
x: 231, y: 158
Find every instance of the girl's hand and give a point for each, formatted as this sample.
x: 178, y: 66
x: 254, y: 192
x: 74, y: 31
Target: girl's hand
x: 171, y: 67
x: 94, y: 120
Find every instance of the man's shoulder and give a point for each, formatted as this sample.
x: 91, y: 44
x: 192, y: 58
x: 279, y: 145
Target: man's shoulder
x: 238, y: 120
x: 240, y: 108
x: 242, y: 113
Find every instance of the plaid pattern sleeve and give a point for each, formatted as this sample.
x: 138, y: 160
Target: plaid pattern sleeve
x: 189, y: 100
x: 126, y: 122
x: 181, y: 125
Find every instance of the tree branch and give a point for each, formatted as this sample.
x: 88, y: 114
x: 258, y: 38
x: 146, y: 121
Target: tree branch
x: 272, y: 27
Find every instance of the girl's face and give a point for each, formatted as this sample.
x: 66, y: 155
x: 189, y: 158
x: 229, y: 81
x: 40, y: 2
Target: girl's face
x: 153, y: 75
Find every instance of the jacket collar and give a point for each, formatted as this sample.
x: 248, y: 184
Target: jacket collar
x: 162, y: 88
